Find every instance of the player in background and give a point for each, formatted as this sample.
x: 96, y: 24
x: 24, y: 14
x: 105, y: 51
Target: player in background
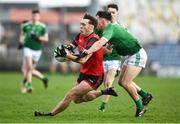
x: 91, y: 69
x: 32, y: 34
x: 111, y: 59
x: 135, y: 58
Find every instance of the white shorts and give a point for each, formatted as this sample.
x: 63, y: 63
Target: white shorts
x: 35, y: 54
x: 111, y: 64
x: 138, y: 59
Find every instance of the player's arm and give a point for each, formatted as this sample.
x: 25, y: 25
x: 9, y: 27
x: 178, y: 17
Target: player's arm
x: 107, y: 49
x: 71, y: 46
x: 97, y: 45
x: 21, y: 39
x: 44, y: 38
x: 74, y: 58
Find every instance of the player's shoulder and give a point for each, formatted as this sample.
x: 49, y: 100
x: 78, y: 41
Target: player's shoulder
x: 27, y: 23
x: 42, y: 24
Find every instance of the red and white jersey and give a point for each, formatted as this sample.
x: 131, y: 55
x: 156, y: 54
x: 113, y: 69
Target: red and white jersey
x: 94, y: 65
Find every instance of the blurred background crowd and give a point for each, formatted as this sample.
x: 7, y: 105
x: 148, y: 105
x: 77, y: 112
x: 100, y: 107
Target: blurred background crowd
x: 156, y: 23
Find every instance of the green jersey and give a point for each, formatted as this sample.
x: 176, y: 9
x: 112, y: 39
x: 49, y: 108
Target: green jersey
x: 123, y: 42
x: 114, y: 55
x: 38, y: 29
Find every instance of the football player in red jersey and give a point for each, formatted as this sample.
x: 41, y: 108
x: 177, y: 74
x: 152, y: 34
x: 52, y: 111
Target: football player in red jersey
x: 91, y: 69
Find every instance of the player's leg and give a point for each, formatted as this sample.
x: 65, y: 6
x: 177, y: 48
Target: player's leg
x: 94, y: 82
x: 141, y: 92
x: 75, y: 92
x: 93, y: 94
x: 110, y: 75
x: 146, y: 97
x: 126, y: 81
x: 23, y: 69
x: 39, y: 75
x: 134, y: 65
x: 29, y: 64
x: 110, y: 68
x: 35, y: 72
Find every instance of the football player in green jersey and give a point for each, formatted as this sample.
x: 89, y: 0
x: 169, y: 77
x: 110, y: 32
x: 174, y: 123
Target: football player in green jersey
x: 135, y: 58
x: 111, y: 59
x: 33, y: 33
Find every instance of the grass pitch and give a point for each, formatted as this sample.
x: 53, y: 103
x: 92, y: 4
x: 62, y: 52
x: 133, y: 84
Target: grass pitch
x: 16, y: 107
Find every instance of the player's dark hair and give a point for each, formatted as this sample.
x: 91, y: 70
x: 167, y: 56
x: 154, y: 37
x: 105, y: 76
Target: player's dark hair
x: 115, y: 6
x: 35, y: 11
x: 104, y: 14
x: 92, y: 20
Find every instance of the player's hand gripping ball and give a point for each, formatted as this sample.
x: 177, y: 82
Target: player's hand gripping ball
x: 60, y: 53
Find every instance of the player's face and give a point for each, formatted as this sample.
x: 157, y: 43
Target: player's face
x: 36, y: 17
x: 100, y: 22
x: 85, y: 27
x: 114, y: 13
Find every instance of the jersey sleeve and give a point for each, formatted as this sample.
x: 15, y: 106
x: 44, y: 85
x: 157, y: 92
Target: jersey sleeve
x: 107, y: 33
x: 23, y: 27
x: 90, y: 42
x: 76, y: 40
x: 45, y: 31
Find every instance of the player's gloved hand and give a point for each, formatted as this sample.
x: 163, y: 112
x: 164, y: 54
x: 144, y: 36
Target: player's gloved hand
x: 20, y: 46
x: 34, y: 37
x: 82, y: 55
x: 60, y: 52
x: 69, y: 47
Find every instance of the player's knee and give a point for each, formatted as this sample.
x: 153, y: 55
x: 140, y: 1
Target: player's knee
x: 120, y: 82
x: 30, y: 68
x: 73, y: 94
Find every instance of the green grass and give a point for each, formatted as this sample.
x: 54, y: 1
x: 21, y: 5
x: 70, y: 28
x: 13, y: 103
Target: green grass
x: 18, y: 108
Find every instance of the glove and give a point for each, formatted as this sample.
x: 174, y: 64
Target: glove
x: 60, y: 51
x: 34, y: 37
x: 69, y: 47
x: 20, y: 46
x: 81, y: 55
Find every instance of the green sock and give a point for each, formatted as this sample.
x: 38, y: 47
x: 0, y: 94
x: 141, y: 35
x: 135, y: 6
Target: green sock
x: 142, y: 93
x: 103, y: 104
x: 139, y: 104
x: 28, y: 85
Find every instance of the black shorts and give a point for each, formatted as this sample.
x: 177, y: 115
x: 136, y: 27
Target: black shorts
x: 93, y: 81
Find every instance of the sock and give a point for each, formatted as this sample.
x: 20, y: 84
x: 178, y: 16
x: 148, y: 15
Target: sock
x: 142, y: 93
x: 44, y: 79
x: 103, y: 105
x: 48, y: 114
x: 28, y: 85
x: 102, y: 92
x: 24, y: 81
x: 139, y: 104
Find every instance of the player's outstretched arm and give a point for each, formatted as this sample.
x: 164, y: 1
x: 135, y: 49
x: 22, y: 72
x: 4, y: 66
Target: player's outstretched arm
x: 74, y: 58
x: 96, y: 46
